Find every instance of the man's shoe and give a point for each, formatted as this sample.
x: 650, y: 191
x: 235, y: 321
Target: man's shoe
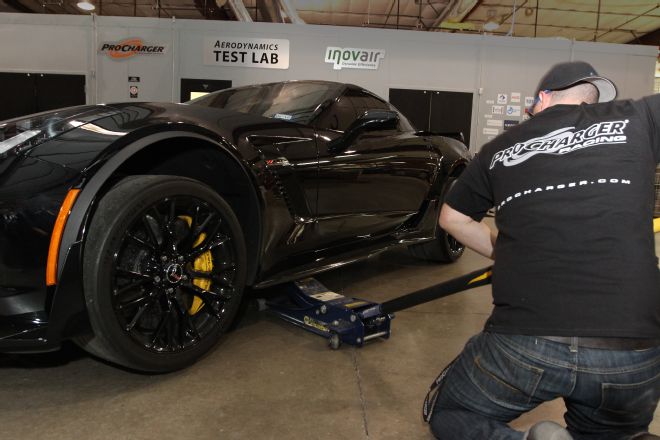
x: 547, y: 431
x: 644, y: 436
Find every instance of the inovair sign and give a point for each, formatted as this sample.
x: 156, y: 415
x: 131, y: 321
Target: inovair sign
x: 264, y: 53
x: 120, y: 50
x: 354, y: 58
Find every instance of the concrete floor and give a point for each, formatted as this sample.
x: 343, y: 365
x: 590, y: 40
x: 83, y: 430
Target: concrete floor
x: 267, y: 379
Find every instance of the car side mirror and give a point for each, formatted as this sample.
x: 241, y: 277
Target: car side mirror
x: 371, y: 120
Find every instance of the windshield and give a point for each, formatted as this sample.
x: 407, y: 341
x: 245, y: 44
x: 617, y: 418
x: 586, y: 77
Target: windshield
x: 291, y: 101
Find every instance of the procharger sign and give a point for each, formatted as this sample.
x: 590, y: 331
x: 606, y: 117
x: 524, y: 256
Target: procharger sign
x: 264, y: 53
x: 354, y: 58
x: 131, y: 47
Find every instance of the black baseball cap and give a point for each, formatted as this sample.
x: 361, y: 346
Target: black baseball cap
x: 564, y: 75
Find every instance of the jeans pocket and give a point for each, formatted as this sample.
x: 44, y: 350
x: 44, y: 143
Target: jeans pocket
x: 506, y: 380
x: 633, y: 401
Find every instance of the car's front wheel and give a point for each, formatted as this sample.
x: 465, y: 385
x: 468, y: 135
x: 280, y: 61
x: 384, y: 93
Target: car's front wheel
x: 163, y: 272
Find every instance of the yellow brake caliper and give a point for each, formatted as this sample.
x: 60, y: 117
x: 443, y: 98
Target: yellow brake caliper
x: 203, y: 263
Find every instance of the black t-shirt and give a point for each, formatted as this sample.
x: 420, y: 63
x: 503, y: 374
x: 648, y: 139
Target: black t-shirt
x: 573, y: 191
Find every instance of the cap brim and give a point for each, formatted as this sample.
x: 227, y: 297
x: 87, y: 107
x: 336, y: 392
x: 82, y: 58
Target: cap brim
x: 606, y: 89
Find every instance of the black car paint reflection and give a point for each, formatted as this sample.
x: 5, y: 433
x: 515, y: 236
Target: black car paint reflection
x: 317, y: 173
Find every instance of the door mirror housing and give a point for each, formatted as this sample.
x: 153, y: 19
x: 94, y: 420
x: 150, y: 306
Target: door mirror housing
x: 371, y: 120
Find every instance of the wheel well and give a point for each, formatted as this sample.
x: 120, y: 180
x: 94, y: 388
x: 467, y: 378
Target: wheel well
x: 205, y: 162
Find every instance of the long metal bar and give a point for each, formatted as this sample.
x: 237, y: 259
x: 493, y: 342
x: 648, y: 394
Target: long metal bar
x: 239, y: 9
x: 632, y: 19
x: 597, y: 21
x: 536, y: 17
x: 473, y: 279
x: 291, y: 12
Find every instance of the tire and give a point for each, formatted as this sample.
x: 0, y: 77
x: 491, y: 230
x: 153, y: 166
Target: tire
x: 443, y: 248
x: 163, y: 272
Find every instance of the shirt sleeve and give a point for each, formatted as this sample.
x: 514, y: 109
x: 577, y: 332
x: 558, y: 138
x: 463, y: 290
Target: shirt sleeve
x: 471, y: 195
x: 653, y: 107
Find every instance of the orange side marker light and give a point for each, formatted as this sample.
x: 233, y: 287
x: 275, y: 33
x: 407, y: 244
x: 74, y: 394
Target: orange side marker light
x: 56, y: 237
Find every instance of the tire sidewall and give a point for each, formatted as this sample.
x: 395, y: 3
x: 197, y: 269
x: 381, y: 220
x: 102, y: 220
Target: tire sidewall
x: 133, y: 197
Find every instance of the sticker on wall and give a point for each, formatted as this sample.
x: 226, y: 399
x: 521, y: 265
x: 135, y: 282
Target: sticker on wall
x: 490, y: 101
x: 133, y: 79
x: 488, y: 116
x: 529, y: 100
x: 353, y: 58
x: 491, y: 131
x: 513, y: 110
x: 502, y: 98
x: 263, y: 53
x: 508, y: 123
x: 130, y: 47
x: 515, y: 98
x: 494, y: 123
x: 133, y: 91
x: 498, y: 110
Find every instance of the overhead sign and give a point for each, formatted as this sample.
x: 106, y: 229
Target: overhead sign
x: 131, y: 47
x: 264, y: 53
x: 354, y: 58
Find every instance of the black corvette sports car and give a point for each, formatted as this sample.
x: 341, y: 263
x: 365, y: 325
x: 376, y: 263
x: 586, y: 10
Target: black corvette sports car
x: 134, y: 228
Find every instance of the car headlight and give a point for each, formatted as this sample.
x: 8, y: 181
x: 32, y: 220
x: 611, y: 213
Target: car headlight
x: 21, y: 134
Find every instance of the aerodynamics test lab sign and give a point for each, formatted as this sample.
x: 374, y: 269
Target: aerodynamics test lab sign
x: 263, y: 53
x: 354, y: 58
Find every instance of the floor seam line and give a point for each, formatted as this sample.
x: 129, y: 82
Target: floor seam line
x: 363, y: 402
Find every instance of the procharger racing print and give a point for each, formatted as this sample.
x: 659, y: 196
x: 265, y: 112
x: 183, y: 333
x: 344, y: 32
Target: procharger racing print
x: 560, y: 142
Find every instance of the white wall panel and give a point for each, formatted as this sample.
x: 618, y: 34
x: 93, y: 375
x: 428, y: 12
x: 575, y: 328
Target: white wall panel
x: 482, y: 65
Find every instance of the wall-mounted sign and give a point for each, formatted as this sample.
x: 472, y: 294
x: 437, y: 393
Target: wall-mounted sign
x: 502, y: 98
x: 513, y: 110
x: 353, y: 58
x: 131, y: 47
x: 508, y: 123
x: 133, y: 91
x: 263, y: 53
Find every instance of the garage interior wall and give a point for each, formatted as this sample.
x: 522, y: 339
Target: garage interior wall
x: 486, y: 66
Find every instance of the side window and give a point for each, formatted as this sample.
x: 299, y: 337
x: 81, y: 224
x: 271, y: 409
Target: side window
x: 338, y: 116
x: 363, y: 101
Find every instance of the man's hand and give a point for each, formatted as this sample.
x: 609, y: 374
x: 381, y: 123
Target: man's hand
x: 475, y: 235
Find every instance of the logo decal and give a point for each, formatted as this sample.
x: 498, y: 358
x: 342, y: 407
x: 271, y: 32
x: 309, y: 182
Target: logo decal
x: 562, y: 141
x: 174, y: 273
x: 353, y: 58
x: 131, y: 47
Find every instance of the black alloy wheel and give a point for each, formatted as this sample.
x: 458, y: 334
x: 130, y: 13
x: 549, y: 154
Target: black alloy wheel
x: 164, y: 272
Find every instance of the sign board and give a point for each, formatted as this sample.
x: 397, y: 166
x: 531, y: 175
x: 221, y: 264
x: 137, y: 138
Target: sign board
x: 263, y: 53
x: 354, y: 58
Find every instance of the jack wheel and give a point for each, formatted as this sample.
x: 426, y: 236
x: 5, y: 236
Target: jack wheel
x: 334, y: 342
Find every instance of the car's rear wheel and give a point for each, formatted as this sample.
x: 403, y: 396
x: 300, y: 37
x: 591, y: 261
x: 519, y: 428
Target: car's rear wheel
x: 443, y: 248
x: 163, y: 271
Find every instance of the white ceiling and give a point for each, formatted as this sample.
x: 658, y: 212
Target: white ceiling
x: 611, y: 21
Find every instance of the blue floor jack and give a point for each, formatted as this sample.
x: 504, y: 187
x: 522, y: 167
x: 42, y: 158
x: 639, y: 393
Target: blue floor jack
x: 313, y: 307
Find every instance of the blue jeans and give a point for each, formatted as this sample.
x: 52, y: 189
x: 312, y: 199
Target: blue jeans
x: 609, y: 394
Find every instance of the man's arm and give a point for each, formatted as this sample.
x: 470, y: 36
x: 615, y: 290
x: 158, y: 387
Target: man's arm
x: 478, y: 236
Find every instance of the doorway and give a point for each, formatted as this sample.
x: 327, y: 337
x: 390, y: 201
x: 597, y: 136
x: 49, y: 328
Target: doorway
x: 436, y: 111
x: 27, y: 93
x: 194, y: 88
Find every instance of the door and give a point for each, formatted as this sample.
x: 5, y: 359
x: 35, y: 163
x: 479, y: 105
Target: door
x: 194, y: 88
x: 436, y: 111
x: 27, y: 93
x: 367, y: 188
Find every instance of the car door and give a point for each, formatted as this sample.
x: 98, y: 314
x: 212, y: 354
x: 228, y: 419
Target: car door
x: 367, y: 187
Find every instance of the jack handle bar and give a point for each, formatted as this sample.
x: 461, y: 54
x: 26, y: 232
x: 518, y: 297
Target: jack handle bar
x: 477, y: 278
